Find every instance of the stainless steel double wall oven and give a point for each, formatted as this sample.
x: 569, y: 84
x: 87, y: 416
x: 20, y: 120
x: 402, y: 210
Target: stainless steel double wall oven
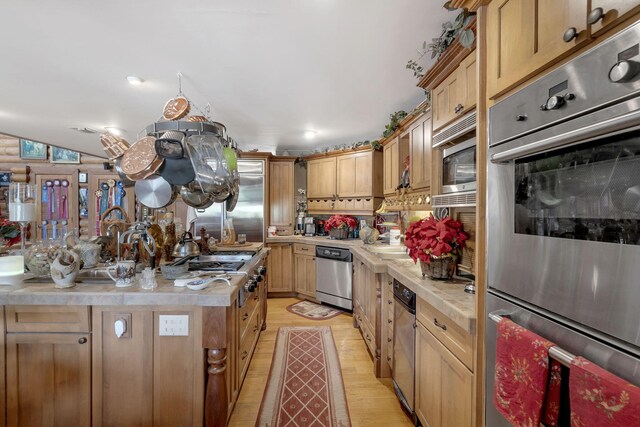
x: 563, y: 210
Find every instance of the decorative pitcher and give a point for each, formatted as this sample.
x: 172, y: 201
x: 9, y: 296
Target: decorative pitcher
x: 65, y: 268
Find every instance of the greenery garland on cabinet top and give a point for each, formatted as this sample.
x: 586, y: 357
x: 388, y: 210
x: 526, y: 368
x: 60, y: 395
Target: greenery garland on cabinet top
x: 450, y: 31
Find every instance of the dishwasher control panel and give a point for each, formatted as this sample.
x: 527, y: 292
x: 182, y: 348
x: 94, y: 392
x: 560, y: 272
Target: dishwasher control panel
x: 337, y: 254
x: 405, y: 295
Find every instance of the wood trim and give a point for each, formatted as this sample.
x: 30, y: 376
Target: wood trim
x: 338, y: 153
x: 255, y: 155
x: 407, y: 122
x: 481, y: 208
x: 46, y: 318
x: 448, y: 62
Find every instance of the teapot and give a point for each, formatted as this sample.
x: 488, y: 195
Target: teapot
x: 186, y: 246
x: 89, y: 252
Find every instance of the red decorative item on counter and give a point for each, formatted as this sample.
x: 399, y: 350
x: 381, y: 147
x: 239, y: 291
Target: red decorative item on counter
x: 430, y: 237
x: 521, y: 373
x: 599, y: 398
x: 10, y: 231
x: 340, y: 221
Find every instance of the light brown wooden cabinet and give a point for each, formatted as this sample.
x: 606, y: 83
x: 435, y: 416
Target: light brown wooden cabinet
x: 305, y: 274
x: 391, y: 165
x: 444, y: 386
x: 280, y: 267
x: 41, y: 366
x: 611, y: 13
x: 524, y: 36
x: 456, y: 94
x: 357, y: 176
x: 420, y: 146
x: 281, y: 195
x: 321, y: 178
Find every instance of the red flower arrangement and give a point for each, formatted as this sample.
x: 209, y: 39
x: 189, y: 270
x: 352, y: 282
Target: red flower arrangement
x: 340, y: 221
x: 9, y: 231
x: 430, y: 236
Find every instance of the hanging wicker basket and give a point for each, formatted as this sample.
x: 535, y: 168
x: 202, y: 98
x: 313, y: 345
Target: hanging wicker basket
x: 440, y: 268
x: 339, y: 233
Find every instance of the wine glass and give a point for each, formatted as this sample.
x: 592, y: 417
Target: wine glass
x: 23, y: 198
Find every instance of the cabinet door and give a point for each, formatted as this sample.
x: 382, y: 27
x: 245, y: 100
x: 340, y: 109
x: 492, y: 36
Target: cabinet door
x: 467, y: 80
x: 305, y: 275
x: 391, y: 166
x: 525, y: 36
x: 321, y: 178
x: 128, y: 201
x: 48, y: 379
x: 355, y: 175
x: 444, y: 386
x: 281, y: 195
x: 358, y: 288
x: 445, y: 100
x: 420, y: 145
x: 59, y: 196
x: 281, y: 267
x: 612, y: 12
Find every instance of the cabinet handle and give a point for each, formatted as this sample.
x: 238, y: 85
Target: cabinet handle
x: 82, y: 340
x: 244, y: 355
x: 390, y: 283
x: 389, y: 358
x: 389, y: 321
x: 458, y: 108
x: 439, y: 325
x: 389, y: 340
x: 390, y: 301
x: 256, y: 298
x: 304, y: 249
x: 570, y: 34
x: 368, y: 338
x: 595, y: 15
x: 245, y: 316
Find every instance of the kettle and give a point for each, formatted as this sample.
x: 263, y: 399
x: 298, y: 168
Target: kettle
x: 186, y: 246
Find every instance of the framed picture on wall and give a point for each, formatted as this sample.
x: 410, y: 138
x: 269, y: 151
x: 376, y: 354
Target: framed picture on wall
x: 5, y: 179
x: 62, y: 155
x: 83, y: 178
x: 32, y: 150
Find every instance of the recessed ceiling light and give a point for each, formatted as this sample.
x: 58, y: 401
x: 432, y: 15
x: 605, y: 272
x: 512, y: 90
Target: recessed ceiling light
x: 310, y: 134
x: 134, y: 80
x: 113, y: 130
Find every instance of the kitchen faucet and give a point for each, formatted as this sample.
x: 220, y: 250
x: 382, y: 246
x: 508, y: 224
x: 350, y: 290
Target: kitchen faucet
x: 148, y: 242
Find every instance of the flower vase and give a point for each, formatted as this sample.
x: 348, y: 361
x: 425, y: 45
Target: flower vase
x: 339, y: 233
x: 440, y: 268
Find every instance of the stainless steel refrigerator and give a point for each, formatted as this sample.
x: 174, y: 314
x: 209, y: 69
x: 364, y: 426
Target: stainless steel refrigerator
x: 248, y: 215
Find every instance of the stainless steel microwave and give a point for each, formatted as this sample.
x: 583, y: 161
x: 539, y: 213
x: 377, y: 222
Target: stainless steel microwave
x: 459, y: 167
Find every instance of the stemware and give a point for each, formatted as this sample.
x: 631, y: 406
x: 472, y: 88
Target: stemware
x: 23, y: 199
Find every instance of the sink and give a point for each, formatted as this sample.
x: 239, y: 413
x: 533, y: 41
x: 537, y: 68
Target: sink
x: 93, y: 275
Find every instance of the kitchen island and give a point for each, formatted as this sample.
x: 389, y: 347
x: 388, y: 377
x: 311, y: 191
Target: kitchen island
x: 99, y: 355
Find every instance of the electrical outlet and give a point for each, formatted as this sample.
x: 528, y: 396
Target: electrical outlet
x: 173, y: 325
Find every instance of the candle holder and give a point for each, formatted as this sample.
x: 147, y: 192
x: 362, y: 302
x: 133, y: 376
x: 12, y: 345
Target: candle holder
x: 23, y: 199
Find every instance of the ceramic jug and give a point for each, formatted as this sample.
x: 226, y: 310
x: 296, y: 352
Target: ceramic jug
x: 64, y: 268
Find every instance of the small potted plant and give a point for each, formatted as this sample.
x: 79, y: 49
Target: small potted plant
x: 438, y: 244
x: 338, y: 226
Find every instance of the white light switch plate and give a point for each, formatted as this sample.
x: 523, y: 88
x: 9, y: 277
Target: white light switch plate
x: 174, y: 325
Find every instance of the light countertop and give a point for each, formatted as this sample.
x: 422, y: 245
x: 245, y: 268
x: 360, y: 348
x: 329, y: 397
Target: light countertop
x: 105, y: 293
x: 447, y: 296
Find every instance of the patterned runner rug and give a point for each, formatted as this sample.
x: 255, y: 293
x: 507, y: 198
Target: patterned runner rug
x: 305, y: 386
x: 313, y: 311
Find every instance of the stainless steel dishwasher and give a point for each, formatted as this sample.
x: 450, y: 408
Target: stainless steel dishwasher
x: 404, y: 346
x: 334, y: 276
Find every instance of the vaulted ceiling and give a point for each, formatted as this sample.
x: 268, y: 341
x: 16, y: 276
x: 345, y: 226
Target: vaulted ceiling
x: 271, y: 69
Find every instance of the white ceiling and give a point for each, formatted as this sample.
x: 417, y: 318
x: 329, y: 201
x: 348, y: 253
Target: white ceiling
x: 271, y: 69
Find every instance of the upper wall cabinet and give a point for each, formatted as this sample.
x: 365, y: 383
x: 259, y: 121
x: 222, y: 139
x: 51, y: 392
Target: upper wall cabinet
x: 281, y: 195
x: 420, y: 146
x: 524, y: 37
x: 456, y: 94
x: 359, y: 174
x: 321, y: 178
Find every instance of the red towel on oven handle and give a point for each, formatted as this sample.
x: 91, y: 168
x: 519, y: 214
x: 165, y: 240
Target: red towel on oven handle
x: 521, y: 374
x: 551, y: 410
x: 599, y: 398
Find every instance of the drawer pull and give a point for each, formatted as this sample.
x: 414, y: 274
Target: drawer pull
x: 245, y: 316
x: 389, y: 340
x: 304, y: 249
x: 390, y: 283
x: 439, y: 325
x: 256, y: 298
x: 82, y: 340
x: 390, y: 301
x: 389, y: 321
x: 368, y: 338
x: 244, y: 355
x: 255, y: 329
x: 388, y: 358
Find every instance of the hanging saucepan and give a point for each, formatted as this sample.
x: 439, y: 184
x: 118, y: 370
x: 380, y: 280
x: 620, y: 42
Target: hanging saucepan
x: 232, y: 200
x: 123, y: 176
x: 140, y: 160
x: 177, y: 168
x: 155, y: 192
x: 192, y: 195
x: 205, y: 152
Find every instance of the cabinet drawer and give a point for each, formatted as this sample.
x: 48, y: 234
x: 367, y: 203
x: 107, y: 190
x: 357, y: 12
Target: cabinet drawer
x: 369, y: 337
x: 247, y: 313
x: 47, y: 318
x: 246, y: 344
x: 304, y: 249
x: 452, y: 336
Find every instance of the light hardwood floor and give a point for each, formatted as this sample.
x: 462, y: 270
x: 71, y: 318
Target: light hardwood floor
x: 371, y: 400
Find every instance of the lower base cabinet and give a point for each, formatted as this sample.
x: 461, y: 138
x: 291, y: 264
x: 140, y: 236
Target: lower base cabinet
x: 444, y: 385
x: 280, y: 267
x: 305, y: 275
x: 48, y: 379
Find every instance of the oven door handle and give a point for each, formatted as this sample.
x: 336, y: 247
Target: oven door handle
x: 555, y: 352
x: 614, y: 124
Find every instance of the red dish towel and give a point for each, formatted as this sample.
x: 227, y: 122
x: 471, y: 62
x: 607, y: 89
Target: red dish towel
x: 551, y: 411
x: 599, y: 398
x: 521, y: 374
